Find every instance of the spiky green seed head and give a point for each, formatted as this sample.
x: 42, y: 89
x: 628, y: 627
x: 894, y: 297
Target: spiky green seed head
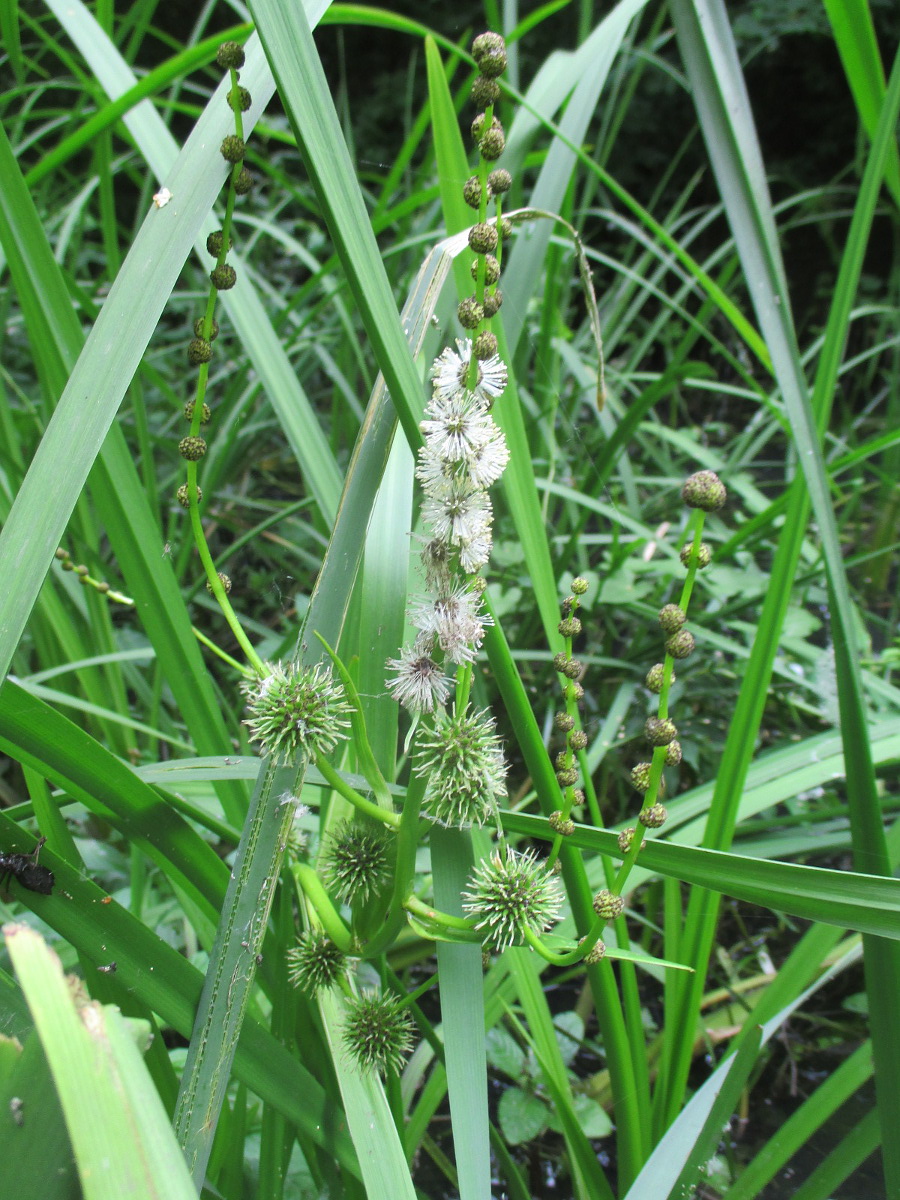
x: 223, y: 278
x: 377, y: 1033
x: 506, y: 895
x: 671, y: 618
x: 357, y: 862
x: 192, y: 448
x: 640, y: 777
x: 705, y: 490
x: 230, y: 56
x: 470, y: 313
x: 680, y: 644
x: 704, y: 555
x: 653, y: 817
x: 315, y: 962
x: 659, y: 732
x: 607, y: 905
x: 297, y: 711
x: 462, y: 759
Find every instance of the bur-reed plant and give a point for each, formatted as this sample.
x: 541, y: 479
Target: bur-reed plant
x: 331, y: 987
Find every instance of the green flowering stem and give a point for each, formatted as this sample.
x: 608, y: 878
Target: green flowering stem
x: 213, y: 579
x: 457, y: 929
x: 340, y: 785
x: 570, y: 957
x: 463, y: 687
x: 364, y: 753
x: 312, y: 888
x: 656, y: 770
x: 220, y: 653
x: 404, y: 869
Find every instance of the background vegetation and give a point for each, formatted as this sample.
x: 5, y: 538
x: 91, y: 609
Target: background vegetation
x: 743, y: 248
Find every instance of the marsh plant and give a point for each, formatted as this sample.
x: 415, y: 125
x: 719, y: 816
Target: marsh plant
x: 390, y: 758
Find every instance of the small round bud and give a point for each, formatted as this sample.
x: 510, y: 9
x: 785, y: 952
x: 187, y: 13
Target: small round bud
x: 485, y: 91
x: 214, y: 243
x: 223, y: 579
x: 659, y: 732
x: 704, y: 490
x: 233, y: 148
x: 205, y: 416
x: 607, y: 905
x: 472, y: 192
x: 640, y: 777
x: 561, y: 761
x: 564, y: 722
x: 492, y: 302
x: 483, y: 238
x: 572, y: 669
x: 213, y: 332
x: 485, y: 345
x: 703, y: 559
x: 470, y: 313
x: 489, y: 52
x: 577, y: 691
x: 67, y: 564
x: 183, y: 496
x: 671, y: 618
x: 491, y: 144
x: 560, y: 662
x: 491, y: 269
x: 103, y: 588
x: 653, y: 817
x: 596, y: 953
x: 239, y: 99
x: 81, y: 571
x: 564, y: 826
x: 625, y: 838
x: 82, y: 578
x: 568, y: 777
x: 654, y: 680
x: 506, y: 228
x: 61, y: 554
x: 499, y: 180
x: 480, y: 126
x: 230, y: 56
x: 192, y: 448
x: 680, y: 645
x: 673, y: 754
x: 580, y: 586
x: 223, y: 278
x: 577, y: 797
x: 578, y: 739
x: 243, y: 183
x: 199, y: 351
x: 569, y: 627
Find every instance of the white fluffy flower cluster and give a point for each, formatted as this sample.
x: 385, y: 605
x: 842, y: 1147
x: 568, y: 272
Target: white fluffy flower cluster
x: 464, y: 453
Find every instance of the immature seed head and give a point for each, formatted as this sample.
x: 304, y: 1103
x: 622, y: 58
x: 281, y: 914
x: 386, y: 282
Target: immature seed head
x: 507, y: 895
x: 199, y: 351
x: 233, y: 148
x: 223, y: 277
x: 315, y: 962
x: 626, y: 839
x: 230, y: 56
x: 192, y: 448
x: 489, y: 52
x: 653, y: 817
x: 297, y: 711
x: 243, y: 183
x: 357, y: 864
x: 472, y: 192
x: 378, y: 1033
x: 671, y: 618
x: 704, y: 490
x: 704, y: 555
x: 659, y: 732
x: 607, y: 905
x: 462, y: 759
x: 680, y: 644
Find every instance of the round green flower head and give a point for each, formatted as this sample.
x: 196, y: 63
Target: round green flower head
x: 243, y: 183
x: 483, y: 238
x: 673, y: 754
x: 239, y: 99
x: 296, y: 711
x: 499, y: 180
x: 485, y: 345
x: 223, y: 278
x: 463, y: 762
x: 183, y: 496
x: 640, y: 777
x: 205, y: 415
x: 378, y: 1033
x: 507, y: 895
x: 215, y: 241
x: 357, y: 865
x: 655, y: 678
x: 472, y: 192
x: 315, y: 963
x: 470, y: 313
x: 704, y: 490
x: 491, y: 144
x: 491, y: 269
x: 492, y: 302
x: 199, y: 351
x: 214, y: 325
